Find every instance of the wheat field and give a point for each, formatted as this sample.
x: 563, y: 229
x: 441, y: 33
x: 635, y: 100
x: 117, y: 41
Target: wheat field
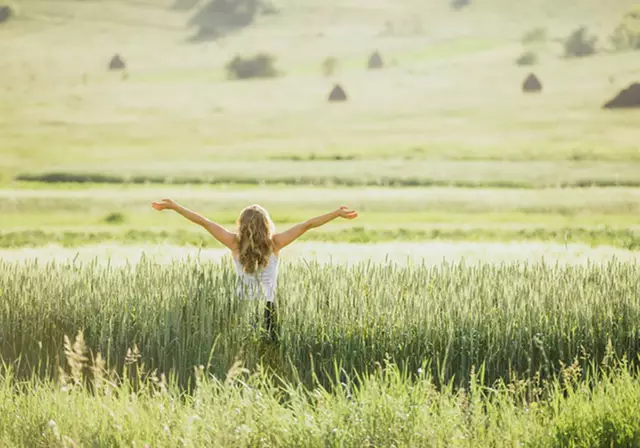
x: 487, y: 295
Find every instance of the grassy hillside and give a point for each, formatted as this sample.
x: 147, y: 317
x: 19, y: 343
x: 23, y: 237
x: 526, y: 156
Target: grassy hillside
x: 447, y: 111
x: 450, y: 89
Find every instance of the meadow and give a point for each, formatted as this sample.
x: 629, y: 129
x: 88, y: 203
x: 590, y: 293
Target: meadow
x: 370, y: 354
x: 488, y: 294
x: 434, y: 146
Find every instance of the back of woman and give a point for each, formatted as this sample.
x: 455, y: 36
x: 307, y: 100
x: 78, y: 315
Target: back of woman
x: 261, y: 284
x: 256, y: 247
x: 255, y: 255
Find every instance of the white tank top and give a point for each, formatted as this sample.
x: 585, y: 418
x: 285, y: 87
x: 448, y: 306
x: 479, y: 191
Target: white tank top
x: 262, y: 284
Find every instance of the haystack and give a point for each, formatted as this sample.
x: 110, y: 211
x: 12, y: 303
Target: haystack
x: 375, y: 61
x: 337, y: 94
x: 628, y: 98
x: 532, y: 84
x: 5, y: 13
x: 117, y: 63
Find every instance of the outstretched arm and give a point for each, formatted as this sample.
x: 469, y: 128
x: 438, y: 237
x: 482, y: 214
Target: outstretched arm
x: 220, y: 233
x: 282, y: 240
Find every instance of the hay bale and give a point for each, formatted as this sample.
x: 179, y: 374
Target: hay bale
x: 117, y: 63
x: 627, y: 98
x: 375, y: 61
x: 337, y: 94
x: 532, y: 84
x: 5, y: 13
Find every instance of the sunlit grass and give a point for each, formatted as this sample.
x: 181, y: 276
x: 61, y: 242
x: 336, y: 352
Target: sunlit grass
x: 513, y: 318
x: 389, y: 407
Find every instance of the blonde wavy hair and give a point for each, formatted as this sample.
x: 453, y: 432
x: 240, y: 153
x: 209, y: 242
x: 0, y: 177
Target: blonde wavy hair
x: 255, y: 244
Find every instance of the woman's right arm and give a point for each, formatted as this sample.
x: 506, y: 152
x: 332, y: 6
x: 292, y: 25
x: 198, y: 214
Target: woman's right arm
x: 216, y: 230
x: 282, y: 240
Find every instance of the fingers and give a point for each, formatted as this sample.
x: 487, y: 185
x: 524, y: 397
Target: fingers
x: 348, y: 213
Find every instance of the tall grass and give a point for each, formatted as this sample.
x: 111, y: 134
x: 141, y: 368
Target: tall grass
x: 520, y: 320
x: 389, y: 407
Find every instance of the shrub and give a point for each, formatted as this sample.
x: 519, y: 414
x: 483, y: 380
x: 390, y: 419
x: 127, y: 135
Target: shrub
x: 329, y: 66
x: 527, y: 58
x: 536, y: 35
x: 459, y: 4
x: 580, y: 44
x: 627, y: 35
x: 258, y: 66
x: 114, y: 218
x: 269, y: 8
x: 217, y: 18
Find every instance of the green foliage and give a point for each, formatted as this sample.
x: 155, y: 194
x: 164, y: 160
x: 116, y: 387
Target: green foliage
x: 513, y: 319
x: 259, y: 66
x: 114, y: 218
x: 580, y: 44
x: 220, y: 17
x: 527, y: 58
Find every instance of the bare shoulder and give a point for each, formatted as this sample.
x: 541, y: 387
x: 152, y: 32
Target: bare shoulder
x: 276, y: 246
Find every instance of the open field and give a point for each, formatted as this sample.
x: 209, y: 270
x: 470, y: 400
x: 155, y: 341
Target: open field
x: 447, y: 111
x: 487, y: 295
x: 76, y: 216
x: 453, y: 92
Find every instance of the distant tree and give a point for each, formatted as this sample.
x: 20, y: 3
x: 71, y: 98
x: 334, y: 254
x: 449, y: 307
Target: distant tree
x: 5, y: 13
x: 459, y: 4
x: 261, y: 65
x: 580, y: 44
x: 268, y: 8
x: 536, y: 35
x: 527, y: 58
x: 329, y: 66
x: 219, y: 17
x: 627, y: 34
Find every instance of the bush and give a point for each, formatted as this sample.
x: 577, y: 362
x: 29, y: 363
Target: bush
x: 459, y: 4
x: 536, y: 35
x: 218, y: 18
x: 258, y: 66
x: 527, y: 58
x: 627, y: 35
x: 114, y: 218
x: 269, y: 8
x: 580, y: 44
x: 329, y: 66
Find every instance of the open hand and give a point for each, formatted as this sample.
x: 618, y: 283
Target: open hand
x: 165, y: 204
x: 347, y: 213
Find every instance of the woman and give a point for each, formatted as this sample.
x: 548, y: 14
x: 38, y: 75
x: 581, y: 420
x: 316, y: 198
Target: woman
x: 256, y: 247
